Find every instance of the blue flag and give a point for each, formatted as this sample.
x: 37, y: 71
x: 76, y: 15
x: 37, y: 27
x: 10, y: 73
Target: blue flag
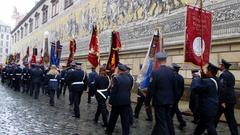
x: 52, y: 55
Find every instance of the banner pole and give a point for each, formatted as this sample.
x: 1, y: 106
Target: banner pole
x: 201, y: 33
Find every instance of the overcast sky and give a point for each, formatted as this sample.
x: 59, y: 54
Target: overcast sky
x: 7, y: 7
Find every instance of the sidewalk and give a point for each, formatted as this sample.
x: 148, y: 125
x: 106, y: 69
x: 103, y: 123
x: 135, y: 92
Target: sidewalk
x: 183, y: 106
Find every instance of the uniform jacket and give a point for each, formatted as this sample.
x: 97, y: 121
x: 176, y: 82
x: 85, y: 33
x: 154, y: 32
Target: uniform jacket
x: 26, y: 74
x: 207, y: 91
x: 53, y: 81
x: 162, y: 87
x: 36, y: 75
x: 17, y: 73
x: 227, y: 92
x: 121, y: 91
x: 77, y: 75
x: 179, y: 86
x: 102, y: 82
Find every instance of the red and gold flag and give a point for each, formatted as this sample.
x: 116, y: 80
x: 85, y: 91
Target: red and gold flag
x: 113, y: 59
x: 72, y: 48
x: 198, y: 36
x: 93, y: 55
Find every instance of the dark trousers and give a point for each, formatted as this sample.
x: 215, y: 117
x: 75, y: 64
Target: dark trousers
x: 140, y: 101
x: 36, y: 89
x: 25, y: 86
x: 17, y: 84
x: 205, y: 123
x: 63, y: 88
x: 229, y: 115
x: 51, y: 95
x: 175, y: 110
x: 90, y: 93
x: 101, y: 109
x: 76, y: 100
x: 70, y: 96
x: 164, y: 123
x: 193, y: 105
x: 123, y: 111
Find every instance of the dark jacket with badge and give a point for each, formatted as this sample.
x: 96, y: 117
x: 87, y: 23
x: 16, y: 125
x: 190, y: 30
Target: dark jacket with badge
x: 162, y: 87
x: 227, y: 92
x: 102, y: 83
x: 121, y: 91
x: 207, y: 90
x: 17, y: 73
x: 26, y: 74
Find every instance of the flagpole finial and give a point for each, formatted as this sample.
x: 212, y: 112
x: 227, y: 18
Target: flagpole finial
x: 46, y: 33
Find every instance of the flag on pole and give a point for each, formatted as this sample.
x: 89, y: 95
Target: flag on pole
x: 46, y: 52
x: 52, y: 55
x: 113, y: 59
x: 93, y: 55
x: 25, y: 58
x: 149, y: 63
x: 41, y: 58
x: 58, y: 53
x: 72, y: 49
x: 34, y: 56
x: 198, y: 36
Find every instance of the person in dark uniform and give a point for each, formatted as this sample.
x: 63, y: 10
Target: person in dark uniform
x: 63, y: 85
x: 37, y: 77
x: 78, y: 79
x: 69, y: 82
x: 4, y: 74
x: 10, y: 72
x: 53, y: 78
x: 162, y: 92
x: 17, y: 76
x: 91, y: 83
x: 180, y: 90
x: 207, y: 89
x: 227, y: 97
x: 193, y: 101
x: 45, y: 81
x: 26, y: 78
x: 102, y: 85
x: 120, y: 100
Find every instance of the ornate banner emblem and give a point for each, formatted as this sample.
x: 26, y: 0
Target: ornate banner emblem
x: 198, y: 36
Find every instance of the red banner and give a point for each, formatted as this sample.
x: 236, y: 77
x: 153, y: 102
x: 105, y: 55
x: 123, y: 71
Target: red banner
x: 198, y: 36
x: 113, y: 59
x: 72, y: 48
x: 93, y: 55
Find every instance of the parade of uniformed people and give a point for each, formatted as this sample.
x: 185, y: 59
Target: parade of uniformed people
x: 120, y: 67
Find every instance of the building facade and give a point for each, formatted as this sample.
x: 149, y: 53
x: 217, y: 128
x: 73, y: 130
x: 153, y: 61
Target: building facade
x: 5, y: 42
x: 136, y: 21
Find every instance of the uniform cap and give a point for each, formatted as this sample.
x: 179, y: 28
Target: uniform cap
x: 78, y: 63
x: 175, y: 66
x: 212, y: 67
x: 122, y: 67
x: 225, y: 63
x: 161, y: 56
x: 73, y: 63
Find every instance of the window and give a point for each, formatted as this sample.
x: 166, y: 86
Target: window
x: 21, y: 32
x: 26, y: 29
x: 45, y: 14
x: 1, y: 43
x: 30, y: 25
x: 54, y: 7
x: 1, y: 50
x: 36, y: 20
x: 7, y: 37
x: 7, y: 44
x: 6, y: 51
x: 67, y: 3
x: 2, y: 36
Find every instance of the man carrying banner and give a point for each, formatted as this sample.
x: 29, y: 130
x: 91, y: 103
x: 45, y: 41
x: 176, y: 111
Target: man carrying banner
x: 143, y: 79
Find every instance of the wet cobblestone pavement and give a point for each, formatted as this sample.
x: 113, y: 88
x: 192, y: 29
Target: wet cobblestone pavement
x: 20, y: 114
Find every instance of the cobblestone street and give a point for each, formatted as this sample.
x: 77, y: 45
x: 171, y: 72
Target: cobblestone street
x: 20, y: 114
